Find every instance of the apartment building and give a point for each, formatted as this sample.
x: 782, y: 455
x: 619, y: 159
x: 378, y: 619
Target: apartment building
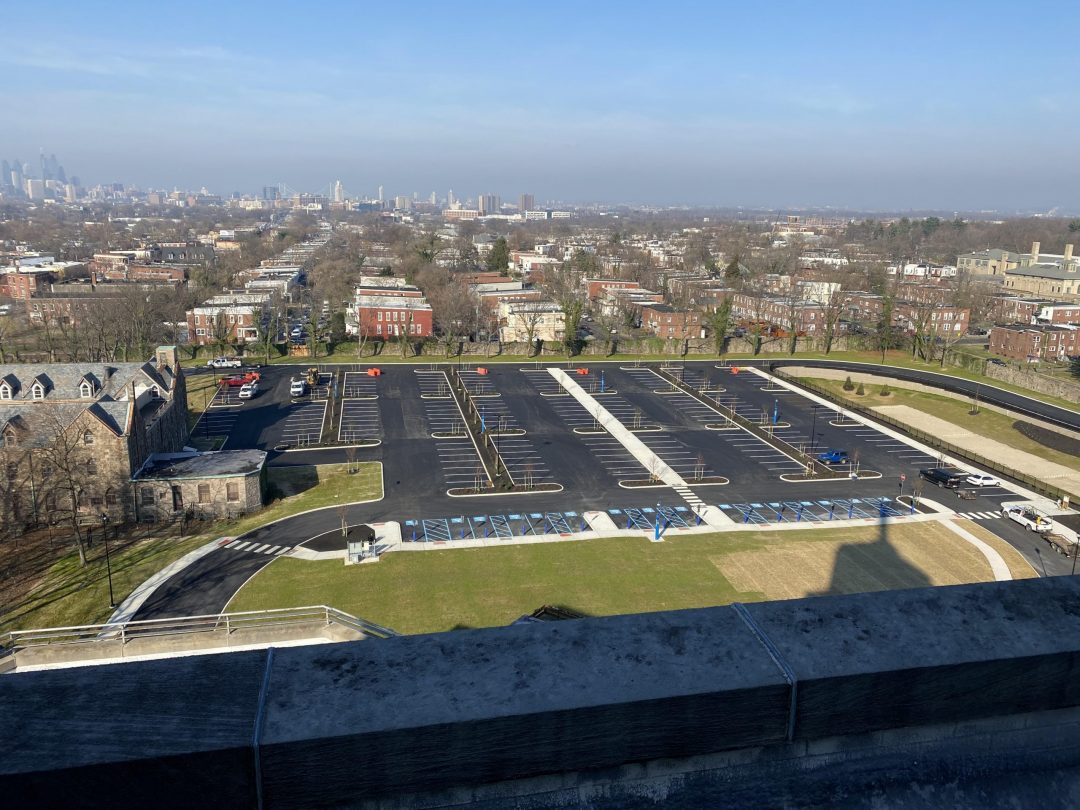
x: 229, y: 318
x: 669, y: 322
x: 992, y: 262
x: 392, y: 316
x: 1031, y: 343
x: 520, y: 322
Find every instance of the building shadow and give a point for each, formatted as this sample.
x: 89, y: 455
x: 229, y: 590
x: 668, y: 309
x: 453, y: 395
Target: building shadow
x: 875, y: 566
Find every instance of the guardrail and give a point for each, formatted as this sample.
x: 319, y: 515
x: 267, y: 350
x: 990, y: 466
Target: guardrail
x: 15, y: 640
x: 931, y: 440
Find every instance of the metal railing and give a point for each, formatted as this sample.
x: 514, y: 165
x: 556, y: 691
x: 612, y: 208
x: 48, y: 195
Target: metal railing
x: 15, y: 640
x: 929, y: 439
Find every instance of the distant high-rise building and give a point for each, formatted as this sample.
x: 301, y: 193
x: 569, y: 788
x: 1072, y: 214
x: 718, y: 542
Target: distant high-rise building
x: 450, y: 199
x: 380, y: 193
x: 433, y: 199
x: 527, y: 202
x: 339, y: 192
x: 60, y: 174
x: 403, y: 203
x: 488, y: 204
x: 17, y: 174
x: 35, y: 189
x: 271, y: 193
x: 5, y: 173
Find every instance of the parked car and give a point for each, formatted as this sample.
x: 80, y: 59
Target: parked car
x: 224, y: 362
x: 983, y: 480
x: 833, y: 457
x: 995, y: 362
x: 943, y: 477
x: 248, y: 390
x: 297, y: 388
x: 1029, y: 517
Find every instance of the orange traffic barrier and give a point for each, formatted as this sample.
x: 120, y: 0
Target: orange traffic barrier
x: 374, y: 372
x: 481, y: 371
x: 734, y: 369
x: 582, y: 371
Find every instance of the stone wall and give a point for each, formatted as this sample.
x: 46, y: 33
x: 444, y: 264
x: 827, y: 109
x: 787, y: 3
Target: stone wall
x: 1042, y: 383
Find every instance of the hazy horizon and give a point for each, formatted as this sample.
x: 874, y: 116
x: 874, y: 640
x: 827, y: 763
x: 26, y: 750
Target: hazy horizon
x: 851, y: 106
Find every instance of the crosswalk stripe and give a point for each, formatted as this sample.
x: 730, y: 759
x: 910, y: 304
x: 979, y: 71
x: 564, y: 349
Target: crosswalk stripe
x: 231, y: 544
x: 272, y: 549
x: 283, y: 550
x: 242, y: 546
x: 261, y: 548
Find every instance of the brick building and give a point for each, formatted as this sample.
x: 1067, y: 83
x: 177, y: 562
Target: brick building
x: 666, y: 321
x: 1031, y: 343
x: 232, y: 318
x: 386, y: 316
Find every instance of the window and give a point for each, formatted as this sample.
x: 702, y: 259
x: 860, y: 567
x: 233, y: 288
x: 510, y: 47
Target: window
x: 37, y: 391
x: 91, y: 466
x: 204, y: 493
x: 86, y: 390
x: 12, y: 472
x: 110, y: 499
x: 380, y: 314
x: 232, y: 491
x: 5, y: 391
x: 200, y: 332
x: 7, y: 438
x: 147, y: 495
x: 378, y: 329
x: 88, y: 438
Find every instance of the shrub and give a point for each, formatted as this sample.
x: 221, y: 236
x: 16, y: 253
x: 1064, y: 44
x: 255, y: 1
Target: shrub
x: 860, y: 391
x: 848, y: 384
x: 884, y: 392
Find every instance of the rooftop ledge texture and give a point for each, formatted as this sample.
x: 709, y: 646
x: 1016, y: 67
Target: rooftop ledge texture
x: 426, y: 713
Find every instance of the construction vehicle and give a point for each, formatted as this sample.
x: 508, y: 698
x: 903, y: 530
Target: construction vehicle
x: 313, y: 376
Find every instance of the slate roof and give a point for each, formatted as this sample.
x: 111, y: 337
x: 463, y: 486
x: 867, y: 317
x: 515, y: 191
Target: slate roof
x: 62, y: 380
x: 1045, y: 271
x: 37, y: 426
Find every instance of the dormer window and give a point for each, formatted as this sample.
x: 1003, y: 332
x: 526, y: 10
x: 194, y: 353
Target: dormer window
x: 5, y: 391
x: 88, y: 438
x: 86, y: 389
x: 37, y: 391
x: 7, y: 438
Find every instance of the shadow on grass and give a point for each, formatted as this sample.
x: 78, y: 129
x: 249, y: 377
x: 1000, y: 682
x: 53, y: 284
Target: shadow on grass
x: 876, y: 566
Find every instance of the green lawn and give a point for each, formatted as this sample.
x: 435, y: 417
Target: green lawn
x: 432, y: 591
x: 986, y: 422
x: 68, y: 594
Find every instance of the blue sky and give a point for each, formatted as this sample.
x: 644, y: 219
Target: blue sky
x: 870, y: 105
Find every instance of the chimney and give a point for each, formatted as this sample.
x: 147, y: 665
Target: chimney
x: 1035, y: 252
x: 1068, y: 253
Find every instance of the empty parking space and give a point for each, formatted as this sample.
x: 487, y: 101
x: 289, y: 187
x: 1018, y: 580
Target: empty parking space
x: 303, y: 423
x: 215, y: 423
x: 491, y: 527
x: 811, y: 511
x: 688, y: 462
x: 460, y: 465
x: 358, y: 384
x: 433, y: 385
x: 359, y: 421
x: 544, y: 383
x: 522, y: 460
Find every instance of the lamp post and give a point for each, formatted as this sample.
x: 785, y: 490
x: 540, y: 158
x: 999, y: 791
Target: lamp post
x: 813, y: 429
x: 108, y: 561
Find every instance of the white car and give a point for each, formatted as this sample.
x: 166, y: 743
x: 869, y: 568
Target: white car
x: 983, y: 480
x: 248, y: 390
x: 224, y: 362
x: 297, y: 388
x: 1029, y: 517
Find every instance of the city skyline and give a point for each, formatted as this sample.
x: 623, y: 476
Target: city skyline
x: 783, y: 106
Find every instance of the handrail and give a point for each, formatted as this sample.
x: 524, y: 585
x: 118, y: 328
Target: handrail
x: 83, y: 633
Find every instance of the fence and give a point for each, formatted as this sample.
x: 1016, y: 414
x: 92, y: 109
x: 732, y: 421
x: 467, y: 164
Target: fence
x: 1029, y: 481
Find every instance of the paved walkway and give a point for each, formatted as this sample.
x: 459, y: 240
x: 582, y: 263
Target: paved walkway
x: 1048, y: 471
x: 655, y: 465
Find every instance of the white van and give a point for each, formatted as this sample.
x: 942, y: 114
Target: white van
x: 297, y: 388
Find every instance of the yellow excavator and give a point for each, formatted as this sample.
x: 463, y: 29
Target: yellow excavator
x: 313, y: 376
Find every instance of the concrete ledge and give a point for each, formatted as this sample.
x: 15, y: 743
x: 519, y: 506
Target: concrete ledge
x: 624, y: 697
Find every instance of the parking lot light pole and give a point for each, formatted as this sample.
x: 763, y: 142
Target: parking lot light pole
x: 813, y: 430
x: 108, y: 561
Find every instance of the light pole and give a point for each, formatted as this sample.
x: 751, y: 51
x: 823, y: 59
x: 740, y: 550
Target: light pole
x: 656, y: 528
x: 108, y: 561
x: 813, y: 429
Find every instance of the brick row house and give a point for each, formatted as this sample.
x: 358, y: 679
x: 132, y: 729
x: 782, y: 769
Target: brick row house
x: 1031, y: 343
x: 230, y: 318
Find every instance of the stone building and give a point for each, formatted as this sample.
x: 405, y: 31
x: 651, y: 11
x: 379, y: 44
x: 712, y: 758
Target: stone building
x: 200, y: 485
x: 73, y: 434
